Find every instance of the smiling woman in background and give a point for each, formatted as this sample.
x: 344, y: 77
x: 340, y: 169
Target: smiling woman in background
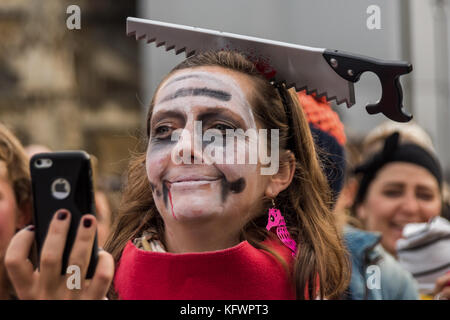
x: 400, y: 185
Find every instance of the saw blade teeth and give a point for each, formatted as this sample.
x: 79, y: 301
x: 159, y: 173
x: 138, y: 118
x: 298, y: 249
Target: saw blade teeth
x: 346, y: 102
x: 332, y: 98
x: 179, y: 50
x: 170, y: 47
x: 322, y: 94
x: 310, y: 92
x: 289, y: 86
x: 159, y: 44
x: 189, y: 53
x: 279, y: 82
x: 140, y: 33
x: 140, y: 36
x: 298, y: 89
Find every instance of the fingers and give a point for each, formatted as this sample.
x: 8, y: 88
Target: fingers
x: 441, y: 283
x: 82, y: 247
x: 49, y: 283
x: 53, y: 249
x: 19, y: 267
x: 443, y: 295
x: 103, y: 276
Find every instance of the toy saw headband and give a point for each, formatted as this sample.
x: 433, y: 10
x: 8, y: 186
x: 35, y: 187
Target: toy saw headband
x: 326, y: 72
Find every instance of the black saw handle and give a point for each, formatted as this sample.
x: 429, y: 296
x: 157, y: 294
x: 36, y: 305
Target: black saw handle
x: 350, y: 67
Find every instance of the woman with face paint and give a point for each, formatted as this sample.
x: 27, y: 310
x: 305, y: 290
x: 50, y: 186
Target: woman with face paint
x: 211, y: 219
x: 192, y: 221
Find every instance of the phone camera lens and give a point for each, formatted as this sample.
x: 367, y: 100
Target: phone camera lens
x: 39, y: 162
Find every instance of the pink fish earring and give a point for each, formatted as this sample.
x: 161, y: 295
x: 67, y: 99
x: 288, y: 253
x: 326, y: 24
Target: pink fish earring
x: 276, y: 219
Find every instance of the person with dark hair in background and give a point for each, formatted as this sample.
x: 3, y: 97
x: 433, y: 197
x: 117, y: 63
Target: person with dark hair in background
x: 400, y: 186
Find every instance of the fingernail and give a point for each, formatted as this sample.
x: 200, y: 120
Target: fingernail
x: 62, y: 215
x: 30, y: 228
x: 87, y: 222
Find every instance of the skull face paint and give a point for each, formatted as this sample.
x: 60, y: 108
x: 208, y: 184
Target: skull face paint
x: 218, y: 98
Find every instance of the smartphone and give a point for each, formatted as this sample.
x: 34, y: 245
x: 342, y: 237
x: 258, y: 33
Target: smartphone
x: 62, y: 180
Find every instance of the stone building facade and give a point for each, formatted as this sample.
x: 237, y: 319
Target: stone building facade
x: 71, y: 89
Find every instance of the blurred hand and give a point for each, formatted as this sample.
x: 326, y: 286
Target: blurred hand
x: 48, y: 283
x: 442, y: 287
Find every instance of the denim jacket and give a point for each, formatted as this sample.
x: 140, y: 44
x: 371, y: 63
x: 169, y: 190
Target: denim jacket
x: 376, y: 275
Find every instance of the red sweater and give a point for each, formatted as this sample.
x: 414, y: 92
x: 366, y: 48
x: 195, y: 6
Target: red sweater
x: 238, y: 273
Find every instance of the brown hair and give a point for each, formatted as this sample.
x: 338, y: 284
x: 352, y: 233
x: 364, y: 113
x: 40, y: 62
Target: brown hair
x: 410, y: 132
x: 15, y: 160
x: 305, y: 203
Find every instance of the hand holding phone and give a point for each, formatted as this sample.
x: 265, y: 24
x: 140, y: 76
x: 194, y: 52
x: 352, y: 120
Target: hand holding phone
x: 62, y: 180
x: 442, y: 287
x: 65, y: 234
x: 47, y: 283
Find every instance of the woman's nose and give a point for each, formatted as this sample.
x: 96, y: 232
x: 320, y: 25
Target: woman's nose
x: 411, y: 206
x: 188, y: 149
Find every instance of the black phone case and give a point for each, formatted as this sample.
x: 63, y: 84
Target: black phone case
x: 74, y: 167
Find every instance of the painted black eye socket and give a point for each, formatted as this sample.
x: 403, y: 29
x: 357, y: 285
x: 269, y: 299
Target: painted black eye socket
x: 271, y: 218
x: 162, y: 130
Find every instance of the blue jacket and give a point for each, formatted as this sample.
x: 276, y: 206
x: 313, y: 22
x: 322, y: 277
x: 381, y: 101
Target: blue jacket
x: 376, y: 275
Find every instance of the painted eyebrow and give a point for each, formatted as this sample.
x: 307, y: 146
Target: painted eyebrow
x: 207, y: 92
x: 193, y: 75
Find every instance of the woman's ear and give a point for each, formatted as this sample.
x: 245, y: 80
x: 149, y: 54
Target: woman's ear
x: 283, y: 178
x: 24, y: 213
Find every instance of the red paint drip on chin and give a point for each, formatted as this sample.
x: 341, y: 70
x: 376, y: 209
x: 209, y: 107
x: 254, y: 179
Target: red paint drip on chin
x: 171, y: 205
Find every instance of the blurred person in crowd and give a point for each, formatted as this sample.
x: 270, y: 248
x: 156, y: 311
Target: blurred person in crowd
x: 417, y: 175
x: 346, y: 197
x: 400, y: 183
x: 375, y: 275
x: 424, y: 250
x: 209, y: 222
x: 112, y: 186
x: 104, y: 217
x: 446, y: 200
x: 102, y: 206
x: 410, y: 132
x: 15, y: 199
